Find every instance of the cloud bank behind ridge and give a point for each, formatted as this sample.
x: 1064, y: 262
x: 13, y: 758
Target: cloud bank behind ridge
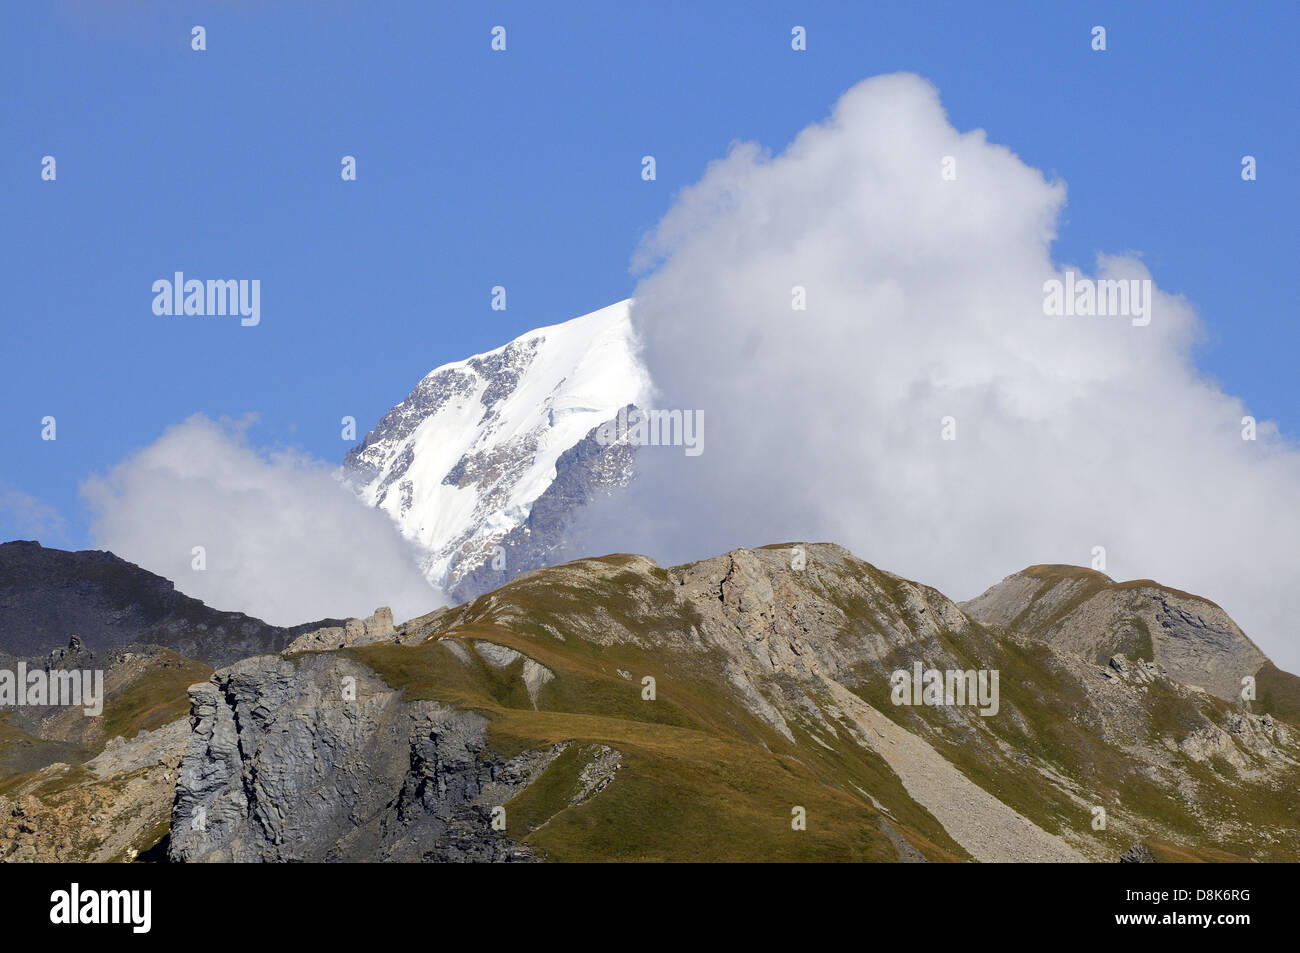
x: 925, y: 301
x: 283, y: 539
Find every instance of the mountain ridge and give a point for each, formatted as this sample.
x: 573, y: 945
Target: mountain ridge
x: 1093, y: 615
x: 772, y: 691
x: 48, y: 595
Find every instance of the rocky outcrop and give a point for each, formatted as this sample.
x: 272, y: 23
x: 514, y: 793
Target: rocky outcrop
x: 316, y: 759
x: 375, y: 628
x: 1137, y: 854
x: 1091, y: 615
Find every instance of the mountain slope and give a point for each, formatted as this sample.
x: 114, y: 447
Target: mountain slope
x: 1086, y: 612
x: 96, y: 788
x: 48, y: 595
x: 461, y: 463
x: 772, y: 699
x: 100, y: 787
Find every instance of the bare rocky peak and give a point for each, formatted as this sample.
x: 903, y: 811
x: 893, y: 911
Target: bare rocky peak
x: 1088, y: 613
x: 375, y: 628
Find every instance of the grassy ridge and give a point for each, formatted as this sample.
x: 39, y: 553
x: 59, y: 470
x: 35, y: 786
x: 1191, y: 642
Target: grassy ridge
x: 702, y: 778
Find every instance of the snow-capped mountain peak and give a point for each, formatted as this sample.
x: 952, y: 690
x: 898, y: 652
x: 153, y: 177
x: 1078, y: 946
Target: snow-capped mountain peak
x: 461, y: 462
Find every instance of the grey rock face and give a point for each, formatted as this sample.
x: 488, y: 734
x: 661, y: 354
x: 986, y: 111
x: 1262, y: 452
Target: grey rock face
x: 598, y: 773
x: 316, y: 759
x: 376, y: 628
x: 1091, y: 615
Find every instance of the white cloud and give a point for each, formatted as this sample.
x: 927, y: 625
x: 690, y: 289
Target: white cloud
x: 284, y: 540
x: 925, y: 300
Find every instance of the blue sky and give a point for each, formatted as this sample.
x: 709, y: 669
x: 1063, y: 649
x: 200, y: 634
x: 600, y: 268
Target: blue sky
x: 522, y: 169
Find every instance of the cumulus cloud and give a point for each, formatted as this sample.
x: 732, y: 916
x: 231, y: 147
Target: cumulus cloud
x: 283, y: 540
x: 925, y: 300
